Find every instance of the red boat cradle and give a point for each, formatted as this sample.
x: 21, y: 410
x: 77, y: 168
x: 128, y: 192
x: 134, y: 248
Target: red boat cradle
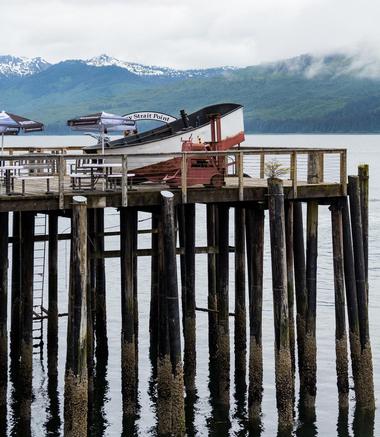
x: 209, y: 170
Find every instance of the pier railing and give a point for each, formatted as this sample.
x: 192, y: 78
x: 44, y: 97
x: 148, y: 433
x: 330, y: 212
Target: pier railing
x: 239, y: 168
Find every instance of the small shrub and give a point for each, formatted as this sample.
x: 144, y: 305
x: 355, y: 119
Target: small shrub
x: 274, y: 169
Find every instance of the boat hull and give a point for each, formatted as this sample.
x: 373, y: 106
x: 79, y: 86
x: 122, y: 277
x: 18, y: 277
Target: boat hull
x: 232, y: 134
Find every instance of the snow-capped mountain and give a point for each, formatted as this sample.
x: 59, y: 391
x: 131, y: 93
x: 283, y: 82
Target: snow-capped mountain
x: 12, y: 66
x: 139, y: 69
x: 21, y: 66
x: 153, y: 70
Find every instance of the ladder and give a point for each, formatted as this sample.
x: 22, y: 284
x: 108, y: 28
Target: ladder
x: 39, y: 267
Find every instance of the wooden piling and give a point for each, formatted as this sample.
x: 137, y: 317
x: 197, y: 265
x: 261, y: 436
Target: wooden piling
x: 363, y: 173
x: 4, y: 217
x: 91, y: 284
x: 212, y: 224
x: 300, y: 286
x: 283, y: 364
x: 101, y: 313
x: 255, y: 253
x: 340, y: 318
x: 128, y: 357
x: 154, y: 296
x: 367, y: 399
x: 290, y: 278
x: 240, y: 332
x: 15, y: 334
x: 52, y: 330
x: 76, y: 382
x: 171, y: 415
x: 223, y: 338
x: 188, y: 303
x: 310, y: 351
x: 26, y: 298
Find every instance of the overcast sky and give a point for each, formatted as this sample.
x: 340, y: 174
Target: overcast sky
x: 184, y: 34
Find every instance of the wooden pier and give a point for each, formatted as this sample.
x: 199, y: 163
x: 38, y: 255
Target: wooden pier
x: 276, y: 181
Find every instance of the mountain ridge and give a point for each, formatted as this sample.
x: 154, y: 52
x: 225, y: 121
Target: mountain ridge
x: 334, y: 93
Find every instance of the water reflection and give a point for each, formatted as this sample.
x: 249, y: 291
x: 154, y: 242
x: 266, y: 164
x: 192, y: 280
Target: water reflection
x: 218, y: 423
x: 53, y: 422
x: 364, y: 423
x: 101, y: 388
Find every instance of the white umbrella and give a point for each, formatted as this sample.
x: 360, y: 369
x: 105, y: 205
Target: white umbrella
x: 11, y: 124
x: 102, y: 122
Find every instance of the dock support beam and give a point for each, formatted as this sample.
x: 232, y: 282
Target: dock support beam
x: 366, y: 397
x: 101, y: 313
x: 223, y: 339
x: 128, y: 352
x: 300, y: 286
x: 171, y: 412
x: 4, y: 217
x: 340, y: 307
x: 283, y: 364
x: 188, y: 239
x: 26, y: 347
x: 310, y: 351
x: 16, y: 289
x: 254, y: 222
x: 76, y: 377
x: 212, y: 225
x: 240, y: 305
x: 154, y: 294
x: 52, y: 334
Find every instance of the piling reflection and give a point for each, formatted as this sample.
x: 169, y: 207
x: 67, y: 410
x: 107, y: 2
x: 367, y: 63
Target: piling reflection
x: 19, y: 405
x: 364, y: 423
x: 218, y: 422
x: 307, y: 420
x: 342, y: 423
x: 101, y: 388
x: 53, y: 422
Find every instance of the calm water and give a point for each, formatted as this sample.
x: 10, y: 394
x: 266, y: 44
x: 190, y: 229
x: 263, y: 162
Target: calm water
x: 361, y: 149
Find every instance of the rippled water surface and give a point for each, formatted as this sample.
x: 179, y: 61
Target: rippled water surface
x: 47, y: 420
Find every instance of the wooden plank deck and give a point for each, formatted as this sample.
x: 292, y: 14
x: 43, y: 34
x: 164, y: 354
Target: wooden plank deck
x: 146, y: 195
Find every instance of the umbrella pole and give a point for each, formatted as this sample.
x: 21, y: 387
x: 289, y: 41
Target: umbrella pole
x: 102, y: 134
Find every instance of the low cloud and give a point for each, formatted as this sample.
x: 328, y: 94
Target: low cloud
x: 191, y: 34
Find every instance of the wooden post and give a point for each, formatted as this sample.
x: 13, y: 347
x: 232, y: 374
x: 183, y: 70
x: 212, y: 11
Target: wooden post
x: 91, y: 284
x: 352, y: 303
x: 171, y: 414
x: 283, y: 364
x: 135, y: 288
x: 340, y: 318
x: 171, y: 282
x: 16, y: 289
x: 188, y: 237
x: 300, y: 286
x: 363, y: 173
x: 153, y: 317
x: 26, y: 298
x: 255, y: 253
x: 366, y: 368
x: 76, y: 388
x: 4, y: 217
x: 240, y: 305
x: 52, y: 331
x: 212, y: 224
x: 290, y: 277
x: 310, y: 345
x: 128, y: 357
x: 223, y: 339
x: 101, y: 313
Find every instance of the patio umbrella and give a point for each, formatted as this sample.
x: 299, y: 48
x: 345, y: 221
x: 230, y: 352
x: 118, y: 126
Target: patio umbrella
x: 11, y: 124
x: 102, y: 122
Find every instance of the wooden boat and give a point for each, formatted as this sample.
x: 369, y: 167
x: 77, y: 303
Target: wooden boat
x: 221, y: 124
